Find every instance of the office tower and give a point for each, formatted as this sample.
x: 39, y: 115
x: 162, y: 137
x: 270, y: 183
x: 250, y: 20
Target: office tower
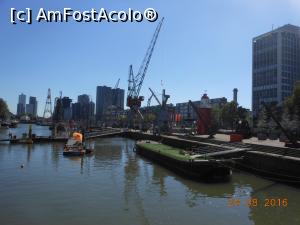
x: 76, y: 111
x: 103, y: 100
x: 21, y: 107
x: 67, y: 108
x: 107, y: 97
x: 275, y: 66
x: 58, y: 113
x: 84, y: 107
x: 118, y: 98
x: 92, y: 109
x: 31, y: 108
x: 235, y: 93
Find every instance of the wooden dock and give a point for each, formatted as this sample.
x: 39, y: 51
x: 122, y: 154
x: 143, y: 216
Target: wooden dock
x: 4, y: 140
x: 101, y: 133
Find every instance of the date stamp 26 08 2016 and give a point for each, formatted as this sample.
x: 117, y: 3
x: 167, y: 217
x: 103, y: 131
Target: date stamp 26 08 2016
x: 256, y: 202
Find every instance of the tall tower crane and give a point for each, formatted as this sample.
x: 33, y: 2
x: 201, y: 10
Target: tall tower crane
x: 135, y: 82
x: 117, y: 84
x: 48, y: 106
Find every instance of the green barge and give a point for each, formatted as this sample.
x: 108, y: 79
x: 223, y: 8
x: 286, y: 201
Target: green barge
x: 185, y: 163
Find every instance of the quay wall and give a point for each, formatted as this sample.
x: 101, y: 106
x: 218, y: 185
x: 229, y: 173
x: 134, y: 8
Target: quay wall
x: 179, y: 143
x: 172, y: 141
x: 273, y: 165
x: 282, y: 168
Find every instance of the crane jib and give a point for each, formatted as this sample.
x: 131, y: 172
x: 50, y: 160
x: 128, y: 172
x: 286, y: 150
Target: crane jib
x: 135, y: 82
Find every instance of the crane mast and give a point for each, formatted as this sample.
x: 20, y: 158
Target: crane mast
x: 134, y: 99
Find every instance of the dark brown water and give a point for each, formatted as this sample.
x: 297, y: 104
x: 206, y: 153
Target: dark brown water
x: 116, y: 186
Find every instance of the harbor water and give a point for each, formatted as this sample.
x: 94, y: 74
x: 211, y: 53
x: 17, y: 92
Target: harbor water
x: 116, y: 186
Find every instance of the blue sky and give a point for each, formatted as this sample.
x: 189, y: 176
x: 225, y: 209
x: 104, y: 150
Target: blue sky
x: 203, y: 45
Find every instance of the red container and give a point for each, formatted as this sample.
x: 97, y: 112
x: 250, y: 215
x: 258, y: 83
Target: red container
x: 236, y: 137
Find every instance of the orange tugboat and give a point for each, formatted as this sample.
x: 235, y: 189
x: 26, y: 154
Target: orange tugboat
x: 75, y: 146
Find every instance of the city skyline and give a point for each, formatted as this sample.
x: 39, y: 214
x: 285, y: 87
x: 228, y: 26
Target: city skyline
x: 212, y: 53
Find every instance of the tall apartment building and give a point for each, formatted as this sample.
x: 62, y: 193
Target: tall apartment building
x: 118, y: 98
x: 84, y: 104
x: 21, y: 107
x: 275, y: 65
x: 76, y: 111
x: 31, y: 107
x: 106, y: 97
x: 83, y: 109
x: 103, y: 100
x: 67, y: 108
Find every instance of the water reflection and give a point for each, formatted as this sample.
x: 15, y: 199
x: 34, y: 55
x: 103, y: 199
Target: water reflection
x: 29, y: 149
x: 56, y: 153
x: 83, y: 162
x: 276, y: 214
x: 116, y: 186
x: 132, y: 195
x: 158, y: 178
x: 23, y: 128
x: 107, y: 154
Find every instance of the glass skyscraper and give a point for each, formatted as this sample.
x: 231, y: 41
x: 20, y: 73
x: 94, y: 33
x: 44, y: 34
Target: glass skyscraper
x: 275, y: 65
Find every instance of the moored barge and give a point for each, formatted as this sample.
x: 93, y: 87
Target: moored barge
x: 180, y: 161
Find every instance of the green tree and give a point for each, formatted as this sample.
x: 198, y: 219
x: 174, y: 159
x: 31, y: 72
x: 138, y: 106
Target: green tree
x: 265, y: 122
x: 242, y: 113
x: 291, y: 108
x: 296, y: 99
x: 4, y: 112
x: 229, y: 114
x: 149, y: 118
x: 217, y: 116
x: 289, y: 121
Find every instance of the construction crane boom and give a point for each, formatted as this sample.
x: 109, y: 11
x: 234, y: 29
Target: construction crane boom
x: 117, y: 84
x: 135, y: 82
x: 144, y: 66
x: 154, y: 95
x: 149, y: 100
